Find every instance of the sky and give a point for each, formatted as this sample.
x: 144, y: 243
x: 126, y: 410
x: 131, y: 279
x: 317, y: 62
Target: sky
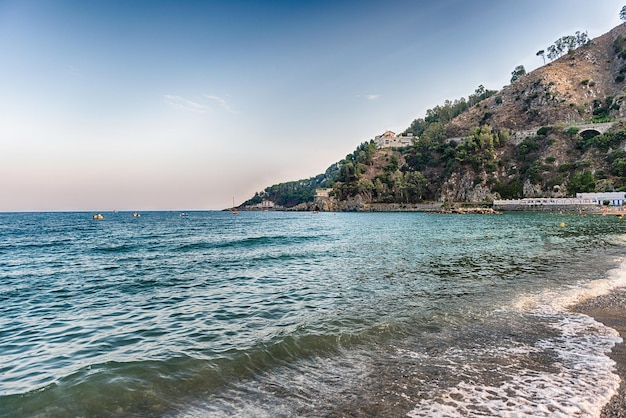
x: 187, y: 105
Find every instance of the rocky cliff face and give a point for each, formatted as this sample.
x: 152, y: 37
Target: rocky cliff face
x: 462, y: 188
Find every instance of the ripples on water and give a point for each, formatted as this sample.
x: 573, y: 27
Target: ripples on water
x: 270, y: 314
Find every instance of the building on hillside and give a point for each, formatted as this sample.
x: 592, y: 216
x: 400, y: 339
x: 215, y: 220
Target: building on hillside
x: 322, y: 193
x: 391, y: 140
x: 265, y: 204
x: 614, y: 198
x: 323, y: 200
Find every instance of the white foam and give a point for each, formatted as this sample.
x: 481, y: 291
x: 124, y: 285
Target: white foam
x: 562, y: 299
x: 579, y: 383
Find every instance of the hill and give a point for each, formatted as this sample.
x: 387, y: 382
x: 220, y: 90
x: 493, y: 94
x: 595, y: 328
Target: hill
x: 572, y: 88
x: 531, y: 139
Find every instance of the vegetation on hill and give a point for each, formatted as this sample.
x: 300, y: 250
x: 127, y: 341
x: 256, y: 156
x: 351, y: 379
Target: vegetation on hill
x: 567, y: 45
x: 517, y: 142
x: 432, y: 127
x: 293, y: 193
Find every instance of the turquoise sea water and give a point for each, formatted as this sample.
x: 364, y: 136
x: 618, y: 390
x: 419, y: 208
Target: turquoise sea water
x: 270, y: 314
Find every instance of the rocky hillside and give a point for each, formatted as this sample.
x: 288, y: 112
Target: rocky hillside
x: 526, y: 140
x: 566, y: 90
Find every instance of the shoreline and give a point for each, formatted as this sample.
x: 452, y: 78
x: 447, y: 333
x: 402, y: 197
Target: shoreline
x: 436, y: 207
x: 610, y: 310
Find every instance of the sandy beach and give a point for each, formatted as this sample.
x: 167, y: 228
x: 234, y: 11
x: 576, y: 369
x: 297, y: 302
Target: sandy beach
x: 611, y: 310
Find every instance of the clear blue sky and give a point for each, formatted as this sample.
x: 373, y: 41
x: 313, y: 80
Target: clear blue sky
x: 139, y: 105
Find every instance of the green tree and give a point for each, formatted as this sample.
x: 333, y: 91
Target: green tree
x: 622, y: 13
x: 582, y: 182
x: 618, y: 167
x: 379, y: 188
x: 511, y: 190
x: 534, y: 172
x: 553, y: 53
x: 518, y: 72
x: 485, y: 139
x: 448, y: 111
x: 527, y: 146
x: 542, y: 54
x: 415, y: 184
x: 572, y: 131
x: 392, y: 166
x: 365, y: 187
x: 347, y: 173
x: 567, y: 44
x: 581, y: 39
x: 480, y: 94
x: 503, y: 137
x: 435, y: 132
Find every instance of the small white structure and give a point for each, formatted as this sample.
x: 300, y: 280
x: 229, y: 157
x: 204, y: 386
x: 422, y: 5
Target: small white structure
x: 322, y: 193
x: 391, y: 140
x: 265, y: 204
x: 615, y: 198
x: 581, y: 201
x: 546, y: 203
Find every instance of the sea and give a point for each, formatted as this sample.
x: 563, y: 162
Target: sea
x: 299, y: 314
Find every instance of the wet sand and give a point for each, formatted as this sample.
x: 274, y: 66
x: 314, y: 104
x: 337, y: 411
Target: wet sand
x: 611, y: 311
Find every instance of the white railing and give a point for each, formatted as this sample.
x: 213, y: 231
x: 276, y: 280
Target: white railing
x: 546, y: 201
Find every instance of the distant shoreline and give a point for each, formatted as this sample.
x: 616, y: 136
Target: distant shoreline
x: 439, y: 207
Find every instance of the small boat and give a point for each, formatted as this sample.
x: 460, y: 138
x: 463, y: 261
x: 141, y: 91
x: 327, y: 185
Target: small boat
x: 234, y: 209
x: 98, y: 217
x: 182, y: 214
x: 136, y: 214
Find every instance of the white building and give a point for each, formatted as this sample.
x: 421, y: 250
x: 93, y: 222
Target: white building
x: 581, y: 201
x: 322, y: 193
x: 615, y: 198
x: 391, y: 140
x: 265, y: 204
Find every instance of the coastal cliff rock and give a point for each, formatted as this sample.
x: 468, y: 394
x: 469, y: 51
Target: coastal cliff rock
x: 462, y: 188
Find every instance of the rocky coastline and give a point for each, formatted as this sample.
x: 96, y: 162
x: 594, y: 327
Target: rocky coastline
x: 470, y: 211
